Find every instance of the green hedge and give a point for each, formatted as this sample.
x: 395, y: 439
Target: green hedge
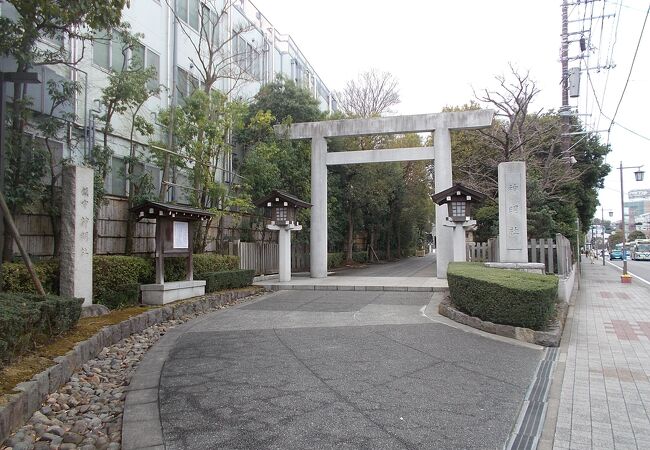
x: 28, y: 318
x: 335, y: 260
x: 114, y: 277
x: 15, y: 277
x: 508, y: 297
x: 231, y: 279
x: 203, y: 263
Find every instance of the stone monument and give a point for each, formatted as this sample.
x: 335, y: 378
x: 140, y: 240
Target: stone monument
x: 76, y: 254
x: 513, y: 231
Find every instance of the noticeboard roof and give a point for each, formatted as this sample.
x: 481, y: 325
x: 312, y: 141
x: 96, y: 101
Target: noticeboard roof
x: 153, y: 210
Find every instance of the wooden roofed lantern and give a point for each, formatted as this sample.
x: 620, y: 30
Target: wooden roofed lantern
x: 284, y: 213
x: 174, y: 238
x: 283, y: 206
x: 459, y: 200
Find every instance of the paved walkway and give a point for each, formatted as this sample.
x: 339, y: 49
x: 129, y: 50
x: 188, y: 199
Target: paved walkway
x: 600, y: 398
x: 309, y: 369
x: 415, y: 274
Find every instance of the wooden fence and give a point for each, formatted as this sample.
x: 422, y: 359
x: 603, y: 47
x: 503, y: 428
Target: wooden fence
x: 36, y: 232
x: 262, y: 257
x: 555, y: 254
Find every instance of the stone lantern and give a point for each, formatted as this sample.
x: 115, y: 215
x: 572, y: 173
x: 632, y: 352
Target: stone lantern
x: 459, y: 200
x: 283, y: 208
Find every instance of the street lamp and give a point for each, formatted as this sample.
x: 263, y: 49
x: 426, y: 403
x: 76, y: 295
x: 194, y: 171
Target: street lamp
x: 638, y: 176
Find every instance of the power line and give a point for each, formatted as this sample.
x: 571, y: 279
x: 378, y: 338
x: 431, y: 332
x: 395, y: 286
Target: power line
x: 591, y: 84
x: 636, y: 51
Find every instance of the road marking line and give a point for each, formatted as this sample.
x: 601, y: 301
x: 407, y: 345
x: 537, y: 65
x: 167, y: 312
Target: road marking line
x: 630, y: 273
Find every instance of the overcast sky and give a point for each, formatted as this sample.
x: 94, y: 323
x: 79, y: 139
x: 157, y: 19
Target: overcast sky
x: 441, y: 50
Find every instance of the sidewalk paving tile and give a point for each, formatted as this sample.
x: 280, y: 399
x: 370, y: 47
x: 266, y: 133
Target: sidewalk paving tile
x: 605, y: 392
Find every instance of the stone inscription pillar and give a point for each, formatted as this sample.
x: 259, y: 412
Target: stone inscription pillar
x: 76, y: 258
x: 513, y: 229
x: 443, y: 180
x: 318, y: 235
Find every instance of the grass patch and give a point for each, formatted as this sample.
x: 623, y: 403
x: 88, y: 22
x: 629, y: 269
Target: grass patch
x: 25, y: 367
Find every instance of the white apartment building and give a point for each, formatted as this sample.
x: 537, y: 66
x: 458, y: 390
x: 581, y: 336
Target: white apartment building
x: 169, y: 43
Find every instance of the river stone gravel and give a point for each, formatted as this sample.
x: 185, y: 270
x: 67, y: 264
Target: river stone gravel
x: 86, y: 413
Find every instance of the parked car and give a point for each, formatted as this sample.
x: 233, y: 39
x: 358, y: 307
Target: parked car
x: 617, y: 253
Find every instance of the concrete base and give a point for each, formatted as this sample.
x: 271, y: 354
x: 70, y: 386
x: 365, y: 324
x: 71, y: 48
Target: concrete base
x: 565, y: 286
x: 521, y: 266
x: 161, y: 294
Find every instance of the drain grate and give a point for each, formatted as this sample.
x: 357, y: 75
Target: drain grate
x: 531, y: 417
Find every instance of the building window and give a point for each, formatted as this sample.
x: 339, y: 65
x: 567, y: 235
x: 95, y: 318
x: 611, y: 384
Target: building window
x: 188, y: 12
x: 186, y: 83
x: 102, y: 49
x: 246, y: 57
x: 118, y: 177
x: 109, y: 52
x: 145, y: 57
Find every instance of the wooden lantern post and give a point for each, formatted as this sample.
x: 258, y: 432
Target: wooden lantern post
x: 283, y: 208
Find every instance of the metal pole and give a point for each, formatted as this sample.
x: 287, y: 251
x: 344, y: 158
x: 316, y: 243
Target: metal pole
x: 602, y: 228
x: 623, y: 221
x: 2, y: 168
x: 565, y: 119
x: 578, y: 251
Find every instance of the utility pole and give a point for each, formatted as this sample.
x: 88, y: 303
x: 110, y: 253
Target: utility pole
x: 565, y: 118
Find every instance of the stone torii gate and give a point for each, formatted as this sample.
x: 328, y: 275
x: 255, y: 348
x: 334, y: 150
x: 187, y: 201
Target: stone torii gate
x: 440, y: 124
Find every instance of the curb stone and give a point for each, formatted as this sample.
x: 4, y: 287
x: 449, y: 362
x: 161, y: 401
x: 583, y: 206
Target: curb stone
x: 550, y: 338
x: 21, y: 405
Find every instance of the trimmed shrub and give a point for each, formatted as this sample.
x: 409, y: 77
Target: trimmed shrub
x: 335, y: 260
x: 121, y: 296
x: 508, y: 297
x: 360, y: 257
x: 231, y: 279
x: 114, y: 277
x: 203, y: 263
x: 15, y: 277
x: 29, y: 318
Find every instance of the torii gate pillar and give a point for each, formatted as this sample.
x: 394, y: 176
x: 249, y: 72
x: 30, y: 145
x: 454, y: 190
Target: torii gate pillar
x: 441, y: 124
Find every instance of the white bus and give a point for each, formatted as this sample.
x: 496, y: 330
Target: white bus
x: 641, y: 250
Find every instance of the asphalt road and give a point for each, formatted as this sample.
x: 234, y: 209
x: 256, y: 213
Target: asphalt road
x: 409, y: 267
x: 332, y: 369
x: 638, y: 268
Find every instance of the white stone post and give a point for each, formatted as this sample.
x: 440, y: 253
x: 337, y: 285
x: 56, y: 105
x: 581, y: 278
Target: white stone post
x: 443, y: 180
x: 284, y: 241
x: 76, y: 257
x: 460, y: 250
x: 513, y: 229
x: 318, y: 235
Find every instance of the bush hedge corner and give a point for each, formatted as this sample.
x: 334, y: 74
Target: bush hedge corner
x: 507, y: 297
x: 231, y: 279
x: 114, y: 276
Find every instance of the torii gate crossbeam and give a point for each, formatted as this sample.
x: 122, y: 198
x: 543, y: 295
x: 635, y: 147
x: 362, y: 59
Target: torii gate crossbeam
x: 441, y: 124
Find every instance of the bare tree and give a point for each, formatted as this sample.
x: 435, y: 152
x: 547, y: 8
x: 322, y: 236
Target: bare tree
x: 220, y: 53
x: 372, y: 94
x: 520, y: 134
